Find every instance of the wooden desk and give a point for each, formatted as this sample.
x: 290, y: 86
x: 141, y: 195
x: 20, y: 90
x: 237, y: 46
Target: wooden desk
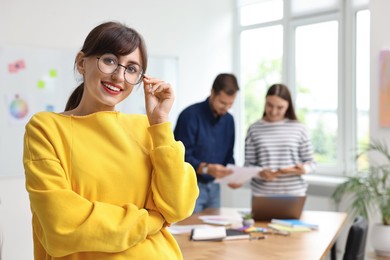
x: 311, y: 245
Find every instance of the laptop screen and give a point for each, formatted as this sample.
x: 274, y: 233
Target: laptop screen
x: 265, y: 208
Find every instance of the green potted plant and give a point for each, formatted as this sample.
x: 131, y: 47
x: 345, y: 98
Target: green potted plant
x: 368, y: 193
x: 247, y: 219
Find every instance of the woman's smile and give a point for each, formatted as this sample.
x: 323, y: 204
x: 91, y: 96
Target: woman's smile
x: 112, y: 88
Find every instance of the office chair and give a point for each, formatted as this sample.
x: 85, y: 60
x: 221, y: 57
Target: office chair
x: 356, y: 242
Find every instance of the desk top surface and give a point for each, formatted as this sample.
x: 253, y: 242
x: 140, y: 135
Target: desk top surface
x: 299, y: 245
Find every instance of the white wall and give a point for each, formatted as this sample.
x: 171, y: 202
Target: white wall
x: 199, y: 33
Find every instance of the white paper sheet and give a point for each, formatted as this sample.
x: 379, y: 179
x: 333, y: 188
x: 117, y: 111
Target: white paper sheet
x: 239, y: 175
x: 222, y: 220
x: 183, y: 229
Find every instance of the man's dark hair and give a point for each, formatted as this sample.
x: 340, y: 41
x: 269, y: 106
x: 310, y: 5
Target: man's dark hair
x: 227, y: 83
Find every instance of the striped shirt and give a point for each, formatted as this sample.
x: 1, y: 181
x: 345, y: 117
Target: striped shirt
x: 275, y: 145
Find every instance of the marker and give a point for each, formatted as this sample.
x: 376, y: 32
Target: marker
x: 257, y: 237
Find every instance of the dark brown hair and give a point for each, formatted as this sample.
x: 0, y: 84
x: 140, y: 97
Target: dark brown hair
x: 282, y: 91
x: 227, y: 83
x: 109, y: 37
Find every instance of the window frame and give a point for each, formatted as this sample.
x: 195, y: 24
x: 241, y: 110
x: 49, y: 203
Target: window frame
x: 345, y: 15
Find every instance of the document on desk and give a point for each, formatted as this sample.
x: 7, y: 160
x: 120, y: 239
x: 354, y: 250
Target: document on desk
x: 182, y: 229
x: 223, y: 220
x: 239, y: 175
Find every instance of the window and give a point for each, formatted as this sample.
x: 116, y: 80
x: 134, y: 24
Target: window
x: 320, y: 49
x: 302, y: 7
x: 316, y: 86
x: 261, y: 12
x: 260, y: 75
x: 362, y: 80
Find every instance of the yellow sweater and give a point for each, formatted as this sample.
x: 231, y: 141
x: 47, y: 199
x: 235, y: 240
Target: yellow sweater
x: 104, y: 186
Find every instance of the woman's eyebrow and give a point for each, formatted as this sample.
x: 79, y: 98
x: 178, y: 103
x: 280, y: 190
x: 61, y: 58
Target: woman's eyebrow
x: 132, y: 62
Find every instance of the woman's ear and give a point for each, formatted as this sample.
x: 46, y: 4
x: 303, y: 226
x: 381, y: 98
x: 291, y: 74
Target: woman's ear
x: 80, y: 62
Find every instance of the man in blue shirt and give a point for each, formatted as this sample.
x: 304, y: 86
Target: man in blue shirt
x: 207, y: 132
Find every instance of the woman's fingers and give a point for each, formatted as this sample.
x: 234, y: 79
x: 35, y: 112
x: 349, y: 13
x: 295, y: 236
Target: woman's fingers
x: 159, y: 98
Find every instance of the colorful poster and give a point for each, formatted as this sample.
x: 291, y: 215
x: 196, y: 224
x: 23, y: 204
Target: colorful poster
x: 18, y: 109
x: 384, y: 89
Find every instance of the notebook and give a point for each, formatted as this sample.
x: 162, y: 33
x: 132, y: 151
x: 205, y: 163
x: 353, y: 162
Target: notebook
x: 265, y: 208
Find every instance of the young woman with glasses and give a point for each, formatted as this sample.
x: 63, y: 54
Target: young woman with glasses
x: 103, y: 184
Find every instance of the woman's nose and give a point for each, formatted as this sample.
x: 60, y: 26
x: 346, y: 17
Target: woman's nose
x: 117, y: 74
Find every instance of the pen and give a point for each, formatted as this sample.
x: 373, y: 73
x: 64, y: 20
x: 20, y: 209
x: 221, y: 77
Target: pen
x: 257, y: 237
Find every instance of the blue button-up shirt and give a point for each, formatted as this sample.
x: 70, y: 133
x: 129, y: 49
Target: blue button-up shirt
x: 206, y: 138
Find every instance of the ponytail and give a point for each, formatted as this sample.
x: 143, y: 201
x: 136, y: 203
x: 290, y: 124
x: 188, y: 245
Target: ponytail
x: 75, y: 98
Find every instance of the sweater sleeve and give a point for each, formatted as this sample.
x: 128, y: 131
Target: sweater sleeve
x: 174, y: 183
x: 66, y: 223
x: 250, y: 151
x: 306, y: 152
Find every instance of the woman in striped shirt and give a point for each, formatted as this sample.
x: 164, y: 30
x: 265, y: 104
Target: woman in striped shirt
x: 280, y: 145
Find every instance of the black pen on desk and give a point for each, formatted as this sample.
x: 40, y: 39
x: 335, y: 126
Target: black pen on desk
x: 257, y: 237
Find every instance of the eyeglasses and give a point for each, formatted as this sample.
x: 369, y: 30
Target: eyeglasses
x: 108, y: 64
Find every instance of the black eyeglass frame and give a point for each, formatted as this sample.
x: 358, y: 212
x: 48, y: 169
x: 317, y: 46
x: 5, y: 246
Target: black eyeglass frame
x: 124, y: 71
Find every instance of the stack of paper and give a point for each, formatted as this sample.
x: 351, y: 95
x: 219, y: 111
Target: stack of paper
x: 183, y: 229
x: 294, y: 223
x: 217, y: 234
x: 279, y: 227
x: 210, y: 233
x: 220, y: 219
x: 291, y: 225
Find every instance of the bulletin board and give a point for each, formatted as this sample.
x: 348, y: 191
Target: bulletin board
x: 34, y: 79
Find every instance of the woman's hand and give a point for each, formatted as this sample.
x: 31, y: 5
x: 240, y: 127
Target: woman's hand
x: 159, y: 97
x: 298, y: 169
x: 235, y: 185
x: 268, y: 174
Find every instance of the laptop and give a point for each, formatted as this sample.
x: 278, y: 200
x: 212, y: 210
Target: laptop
x: 265, y: 208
